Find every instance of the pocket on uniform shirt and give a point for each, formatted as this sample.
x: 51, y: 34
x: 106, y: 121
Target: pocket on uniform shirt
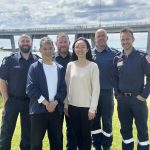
x: 15, y: 70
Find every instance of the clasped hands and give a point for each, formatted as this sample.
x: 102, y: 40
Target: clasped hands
x: 50, y: 106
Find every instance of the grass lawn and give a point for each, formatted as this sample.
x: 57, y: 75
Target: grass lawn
x: 116, y: 132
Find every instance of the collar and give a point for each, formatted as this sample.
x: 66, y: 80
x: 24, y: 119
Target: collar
x: 105, y: 50
x: 20, y: 56
x: 131, y: 54
x: 58, y: 55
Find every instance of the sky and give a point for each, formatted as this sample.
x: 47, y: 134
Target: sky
x: 42, y: 13
x: 15, y: 14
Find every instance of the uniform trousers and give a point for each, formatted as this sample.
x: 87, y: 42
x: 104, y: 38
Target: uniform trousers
x: 102, y: 125
x: 13, y: 107
x: 129, y: 108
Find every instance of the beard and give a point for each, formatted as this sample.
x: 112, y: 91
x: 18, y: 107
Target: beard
x: 63, y: 50
x: 25, y: 48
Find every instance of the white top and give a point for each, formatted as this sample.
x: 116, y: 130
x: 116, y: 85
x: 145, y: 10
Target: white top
x: 83, y: 86
x: 52, y: 79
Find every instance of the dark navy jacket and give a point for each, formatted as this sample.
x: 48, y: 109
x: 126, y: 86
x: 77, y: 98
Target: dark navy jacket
x: 130, y: 73
x: 104, y: 60
x: 37, y: 86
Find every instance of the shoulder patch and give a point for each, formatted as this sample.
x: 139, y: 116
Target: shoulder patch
x: 36, y: 56
x: 115, y: 51
x: 93, y: 55
x: 147, y: 58
x: 5, y: 59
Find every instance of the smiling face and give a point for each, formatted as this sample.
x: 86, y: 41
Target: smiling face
x: 62, y: 44
x: 46, y: 48
x: 101, y: 38
x: 127, y: 40
x: 25, y: 43
x: 80, y: 49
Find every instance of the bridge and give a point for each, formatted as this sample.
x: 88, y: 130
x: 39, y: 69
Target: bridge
x: 86, y: 31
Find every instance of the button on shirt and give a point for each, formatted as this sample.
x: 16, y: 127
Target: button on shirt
x: 130, y: 73
x: 14, y: 70
x: 104, y: 61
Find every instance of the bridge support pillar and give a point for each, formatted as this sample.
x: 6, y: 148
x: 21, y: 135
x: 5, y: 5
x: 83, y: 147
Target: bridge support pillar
x: 148, y: 43
x: 90, y: 36
x: 12, y: 40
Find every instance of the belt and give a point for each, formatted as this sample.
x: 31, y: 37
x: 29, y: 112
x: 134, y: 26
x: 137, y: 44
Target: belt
x: 129, y: 94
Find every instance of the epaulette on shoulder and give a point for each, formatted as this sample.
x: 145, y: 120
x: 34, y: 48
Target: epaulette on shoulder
x: 10, y: 55
x: 5, y: 59
x: 13, y: 53
x: 59, y: 65
x: 141, y: 52
x: 37, y: 56
x: 115, y: 51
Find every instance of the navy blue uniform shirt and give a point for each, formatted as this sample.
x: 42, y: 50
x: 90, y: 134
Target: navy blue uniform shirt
x: 104, y: 60
x: 63, y: 61
x: 14, y: 70
x: 130, y: 73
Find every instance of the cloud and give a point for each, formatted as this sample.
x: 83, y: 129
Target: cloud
x: 37, y: 13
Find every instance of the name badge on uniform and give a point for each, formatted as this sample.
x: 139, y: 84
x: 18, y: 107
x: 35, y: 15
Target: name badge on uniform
x: 16, y: 67
x: 147, y: 58
x: 119, y: 63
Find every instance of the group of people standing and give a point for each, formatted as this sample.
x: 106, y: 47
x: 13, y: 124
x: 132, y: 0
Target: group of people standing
x: 79, y: 85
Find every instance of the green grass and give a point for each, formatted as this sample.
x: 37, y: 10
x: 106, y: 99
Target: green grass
x: 116, y: 132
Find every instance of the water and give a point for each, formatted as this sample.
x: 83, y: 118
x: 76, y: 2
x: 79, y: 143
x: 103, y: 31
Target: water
x: 113, y: 41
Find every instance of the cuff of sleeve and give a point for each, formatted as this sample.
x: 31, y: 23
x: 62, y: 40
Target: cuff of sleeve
x: 66, y: 103
x: 92, y: 110
x: 65, y: 106
x: 41, y: 99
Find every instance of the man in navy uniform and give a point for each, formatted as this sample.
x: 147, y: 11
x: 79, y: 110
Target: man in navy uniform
x: 63, y: 57
x: 132, y: 66
x: 102, y: 126
x: 13, y: 76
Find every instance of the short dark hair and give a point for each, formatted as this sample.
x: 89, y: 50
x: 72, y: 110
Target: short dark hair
x: 127, y: 30
x: 25, y: 36
x: 88, y: 54
x: 46, y: 40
